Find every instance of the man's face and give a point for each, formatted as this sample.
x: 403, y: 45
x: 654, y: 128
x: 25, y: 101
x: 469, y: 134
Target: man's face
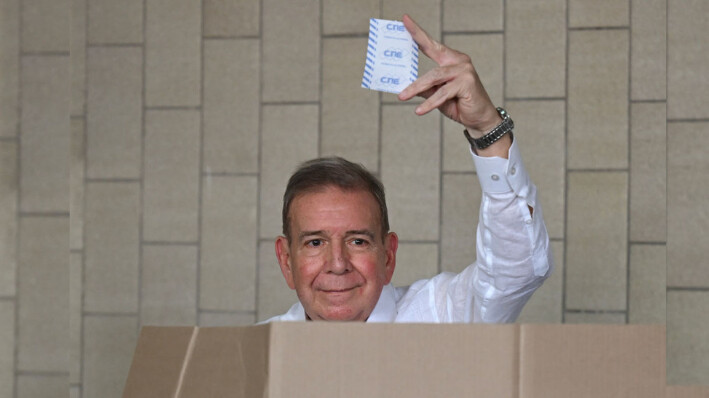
x: 337, y: 260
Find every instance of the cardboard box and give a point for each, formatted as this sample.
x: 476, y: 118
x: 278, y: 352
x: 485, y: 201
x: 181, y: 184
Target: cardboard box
x: 322, y: 359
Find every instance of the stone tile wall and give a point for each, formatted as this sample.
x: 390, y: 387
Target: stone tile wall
x: 154, y: 139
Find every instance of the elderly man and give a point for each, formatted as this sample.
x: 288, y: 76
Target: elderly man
x: 337, y: 251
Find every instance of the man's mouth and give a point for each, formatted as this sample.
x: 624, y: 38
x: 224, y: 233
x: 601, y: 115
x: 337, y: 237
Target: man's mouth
x: 338, y: 290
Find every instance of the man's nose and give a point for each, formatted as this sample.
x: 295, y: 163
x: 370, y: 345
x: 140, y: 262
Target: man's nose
x: 339, y: 262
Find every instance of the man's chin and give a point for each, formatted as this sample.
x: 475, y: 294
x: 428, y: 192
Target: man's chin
x: 341, y: 314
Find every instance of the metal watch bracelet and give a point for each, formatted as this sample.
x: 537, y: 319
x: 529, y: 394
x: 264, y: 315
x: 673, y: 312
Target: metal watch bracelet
x: 495, y: 134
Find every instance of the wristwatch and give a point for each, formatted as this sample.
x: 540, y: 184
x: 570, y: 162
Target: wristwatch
x: 495, y: 134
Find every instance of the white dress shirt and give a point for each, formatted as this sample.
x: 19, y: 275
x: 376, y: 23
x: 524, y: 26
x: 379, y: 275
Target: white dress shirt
x: 513, y: 259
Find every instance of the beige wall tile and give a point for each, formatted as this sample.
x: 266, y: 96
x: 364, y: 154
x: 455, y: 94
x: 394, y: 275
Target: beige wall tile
x: 45, y: 386
x: 171, y: 185
x: 542, y: 142
x: 111, y: 22
x: 77, y: 163
x: 76, y: 276
x: 44, y: 152
x: 43, y: 283
x: 343, y: 17
x: 7, y: 347
x: 687, y: 343
x: 535, y: 48
x: 77, y: 53
x: 289, y: 136
x: 109, y: 343
x: 427, y: 13
x: 486, y: 52
x: 456, y: 149
x: 231, y: 17
x: 603, y: 317
x: 596, y: 259
x: 8, y: 217
x: 598, y: 99
x: 9, y: 65
x: 463, y: 15
x: 648, y: 56
x: 687, y: 219
x: 169, y: 285
x: 546, y: 303
x: 274, y: 295
x: 44, y: 25
x: 114, y: 112
x: 648, y: 280
x: 459, y: 212
x: 410, y: 172
x: 350, y: 114
x: 172, y: 53
x: 290, y: 65
x: 687, y: 80
x: 207, y: 319
x: 231, y: 105
x: 591, y: 13
x: 415, y: 261
x: 75, y: 392
x: 229, y: 242
x: 648, y: 172
x: 112, y: 242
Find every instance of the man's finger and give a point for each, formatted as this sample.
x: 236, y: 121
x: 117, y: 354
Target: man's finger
x: 439, y: 97
x: 428, y: 46
x: 430, y: 79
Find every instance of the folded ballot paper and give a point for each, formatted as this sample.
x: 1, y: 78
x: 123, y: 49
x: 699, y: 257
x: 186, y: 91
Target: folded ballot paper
x: 392, y: 57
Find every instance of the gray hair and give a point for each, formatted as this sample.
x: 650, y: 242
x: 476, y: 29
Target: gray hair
x: 317, y: 174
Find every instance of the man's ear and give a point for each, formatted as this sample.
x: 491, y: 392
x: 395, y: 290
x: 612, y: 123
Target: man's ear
x: 391, y: 244
x: 284, y: 260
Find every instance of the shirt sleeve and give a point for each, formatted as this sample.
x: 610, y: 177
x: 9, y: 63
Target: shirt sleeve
x: 513, y: 253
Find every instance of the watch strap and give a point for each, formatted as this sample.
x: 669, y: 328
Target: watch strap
x: 495, y: 134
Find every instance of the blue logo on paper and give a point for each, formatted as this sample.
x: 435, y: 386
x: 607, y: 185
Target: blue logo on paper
x: 389, y: 80
x: 396, y: 27
x: 394, y: 53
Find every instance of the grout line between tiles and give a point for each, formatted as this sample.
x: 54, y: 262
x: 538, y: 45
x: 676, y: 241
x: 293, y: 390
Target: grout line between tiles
x: 42, y: 373
x: 473, y: 32
x: 582, y: 311
x: 629, y: 112
x: 114, y: 45
x: 688, y: 288
x: 607, y: 170
x: 228, y: 174
x: 110, y: 180
x: 18, y: 198
x: 647, y: 101
x: 648, y: 243
x: 110, y: 314
x: 172, y: 108
x: 141, y: 183
x: 200, y: 174
x: 320, y: 76
x: 441, y: 153
x: 511, y: 99
x: 169, y: 243
x: 564, y: 276
x: 266, y: 103
x: 259, y: 160
x: 345, y: 35
x: 688, y: 120
x: 586, y: 28
x: 224, y: 37
x: 228, y: 312
x: 44, y: 214
x: 9, y: 139
x: 44, y: 53
x: 85, y: 153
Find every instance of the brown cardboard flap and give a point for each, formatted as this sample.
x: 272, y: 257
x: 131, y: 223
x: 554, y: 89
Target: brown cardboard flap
x: 228, y: 362
x: 341, y: 360
x: 157, y: 362
x: 687, y: 392
x: 592, y: 361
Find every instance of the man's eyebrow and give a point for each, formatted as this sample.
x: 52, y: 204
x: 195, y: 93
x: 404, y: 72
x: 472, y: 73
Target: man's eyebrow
x: 364, y: 232
x: 304, y: 234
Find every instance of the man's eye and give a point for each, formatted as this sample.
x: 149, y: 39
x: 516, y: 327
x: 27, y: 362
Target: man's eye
x: 359, y: 242
x: 315, y: 243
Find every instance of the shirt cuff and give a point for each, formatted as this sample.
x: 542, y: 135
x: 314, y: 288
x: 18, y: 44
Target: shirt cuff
x: 499, y: 175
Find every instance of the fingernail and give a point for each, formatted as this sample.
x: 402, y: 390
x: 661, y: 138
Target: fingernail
x: 418, y: 109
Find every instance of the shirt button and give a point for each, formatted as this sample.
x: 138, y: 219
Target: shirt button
x: 513, y: 171
x: 495, y: 177
x: 528, y: 221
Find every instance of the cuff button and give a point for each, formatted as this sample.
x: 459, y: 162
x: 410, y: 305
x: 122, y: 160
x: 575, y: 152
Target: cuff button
x: 495, y: 177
